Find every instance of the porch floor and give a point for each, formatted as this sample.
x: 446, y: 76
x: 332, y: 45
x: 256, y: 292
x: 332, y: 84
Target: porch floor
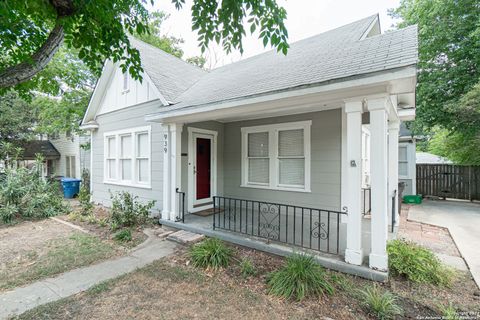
x: 204, y: 225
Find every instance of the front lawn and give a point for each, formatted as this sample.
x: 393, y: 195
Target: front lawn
x: 25, y: 261
x: 173, y: 288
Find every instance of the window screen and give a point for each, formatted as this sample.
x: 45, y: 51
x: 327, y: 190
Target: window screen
x: 291, y: 157
x: 258, y: 158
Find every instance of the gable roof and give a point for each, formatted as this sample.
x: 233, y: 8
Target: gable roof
x: 171, y: 75
x: 332, y: 55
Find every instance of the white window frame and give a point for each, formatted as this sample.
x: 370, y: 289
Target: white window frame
x: 407, y: 161
x: 274, y: 160
x: 70, y: 166
x: 134, y: 182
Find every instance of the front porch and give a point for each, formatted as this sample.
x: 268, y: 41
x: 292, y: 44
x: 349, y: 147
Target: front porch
x: 286, y: 183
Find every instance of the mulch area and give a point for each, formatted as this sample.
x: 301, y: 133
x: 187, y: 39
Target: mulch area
x: 435, y: 238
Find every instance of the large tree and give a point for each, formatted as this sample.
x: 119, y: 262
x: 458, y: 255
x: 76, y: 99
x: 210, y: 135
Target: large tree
x: 448, y: 70
x: 32, y: 31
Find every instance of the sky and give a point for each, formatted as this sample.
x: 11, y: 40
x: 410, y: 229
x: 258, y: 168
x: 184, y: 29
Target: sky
x: 305, y: 18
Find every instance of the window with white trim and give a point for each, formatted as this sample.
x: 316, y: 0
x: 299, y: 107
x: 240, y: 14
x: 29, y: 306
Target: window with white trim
x: 277, y: 156
x: 127, y: 157
x: 403, y: 161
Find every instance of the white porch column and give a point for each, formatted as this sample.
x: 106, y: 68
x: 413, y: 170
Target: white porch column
x: 166, y: 172
x: 393, y: 130
x: 353, y: 180
x: 379, y: 169
x: 175, y: 166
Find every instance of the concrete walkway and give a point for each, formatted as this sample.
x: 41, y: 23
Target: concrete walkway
x: 462, y: 220
x: 25, y: 298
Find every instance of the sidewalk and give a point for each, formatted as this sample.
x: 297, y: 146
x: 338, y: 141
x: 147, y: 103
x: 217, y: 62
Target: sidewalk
x: 25, y: 298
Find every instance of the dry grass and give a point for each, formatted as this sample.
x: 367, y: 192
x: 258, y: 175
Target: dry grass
x: 173, y: 289
x: 57, y: 256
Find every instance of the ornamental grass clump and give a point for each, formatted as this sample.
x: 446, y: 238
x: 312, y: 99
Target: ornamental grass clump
x: 300, y: 277
x: 211, y: 253
x: 382, y: 305
x: 417, y: 264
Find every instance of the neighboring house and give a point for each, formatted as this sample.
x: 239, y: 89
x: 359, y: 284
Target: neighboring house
x: 271, y: 145
x: 429, y: 158
x: 34, y: 148
x: 407, y: 171
x: 73, y: 157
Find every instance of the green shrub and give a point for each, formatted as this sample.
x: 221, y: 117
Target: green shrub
x: 124, y: 235
x: 301, y: 276
x: 86, y: 206
x: 210, y: 253
x: 382, y: 305
x: 24, y: 193
x: 417, y: 264
x: 127, y: 211
x: 8, y: 212
x: 247, y: 268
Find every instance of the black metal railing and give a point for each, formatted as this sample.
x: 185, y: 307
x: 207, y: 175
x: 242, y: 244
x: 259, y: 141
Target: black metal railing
x: 181, y: 206
x: 310, y: 228
x: 366, y: 201
x: 394, y: 216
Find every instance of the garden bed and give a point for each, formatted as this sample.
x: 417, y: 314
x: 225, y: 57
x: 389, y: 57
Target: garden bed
x: 172, y: 288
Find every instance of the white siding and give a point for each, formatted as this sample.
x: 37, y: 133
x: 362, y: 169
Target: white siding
x: 67, y: 146
x: 117, y: 98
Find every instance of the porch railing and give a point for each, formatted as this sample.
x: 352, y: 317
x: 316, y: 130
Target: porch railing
x: 181, y: 206
x: 366, y: 201
x: 310, y: 228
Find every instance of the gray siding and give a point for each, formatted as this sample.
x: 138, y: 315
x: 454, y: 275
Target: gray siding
x: 123, y: 119
x: 325, y: 165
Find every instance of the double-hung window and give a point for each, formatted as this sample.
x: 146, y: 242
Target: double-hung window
x: 277, y: 156
x: 127, y: 157
x: 403, y: 161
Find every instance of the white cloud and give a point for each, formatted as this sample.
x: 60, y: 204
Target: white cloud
x: 305, y: 18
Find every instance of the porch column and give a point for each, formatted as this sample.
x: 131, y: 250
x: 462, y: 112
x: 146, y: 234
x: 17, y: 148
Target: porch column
x: 175, y: 166
x: 353, y: 180
x: 379, y: 169
x: 393, y: 130
x: 166, y: 172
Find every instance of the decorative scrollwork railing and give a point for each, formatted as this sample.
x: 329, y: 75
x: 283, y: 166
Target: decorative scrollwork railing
x: 305, y: 227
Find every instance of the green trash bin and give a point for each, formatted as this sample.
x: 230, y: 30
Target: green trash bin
x: 416, y: 199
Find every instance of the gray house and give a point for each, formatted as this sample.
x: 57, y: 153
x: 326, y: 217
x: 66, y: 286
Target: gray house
x: 268, y: 151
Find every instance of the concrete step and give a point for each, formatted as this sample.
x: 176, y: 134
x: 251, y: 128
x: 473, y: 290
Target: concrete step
x: 185, y: 237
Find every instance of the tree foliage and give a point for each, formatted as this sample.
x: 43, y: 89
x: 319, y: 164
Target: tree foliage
x: 17, y: 118
x: 155, y: 37
x: 448, y: 74
x: 31, y: 32
x: 198, y: 61
x: 449, y: 59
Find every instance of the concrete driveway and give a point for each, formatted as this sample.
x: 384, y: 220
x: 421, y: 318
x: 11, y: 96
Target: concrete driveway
x: 463, y: 221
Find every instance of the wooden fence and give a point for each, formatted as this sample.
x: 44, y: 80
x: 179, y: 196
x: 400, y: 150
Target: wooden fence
x: 449, y: 181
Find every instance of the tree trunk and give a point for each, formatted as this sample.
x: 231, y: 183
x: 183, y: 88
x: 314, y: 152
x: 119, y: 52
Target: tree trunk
x: 26, y: 70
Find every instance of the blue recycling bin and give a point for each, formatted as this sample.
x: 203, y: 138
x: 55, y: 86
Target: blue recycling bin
x: 71, y: 187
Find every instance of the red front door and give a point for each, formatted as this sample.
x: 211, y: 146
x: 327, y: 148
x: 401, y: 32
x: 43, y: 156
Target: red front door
x: 203, y: 167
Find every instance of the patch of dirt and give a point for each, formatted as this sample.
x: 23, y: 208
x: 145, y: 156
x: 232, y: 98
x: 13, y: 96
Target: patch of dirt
x: 19, y: 241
